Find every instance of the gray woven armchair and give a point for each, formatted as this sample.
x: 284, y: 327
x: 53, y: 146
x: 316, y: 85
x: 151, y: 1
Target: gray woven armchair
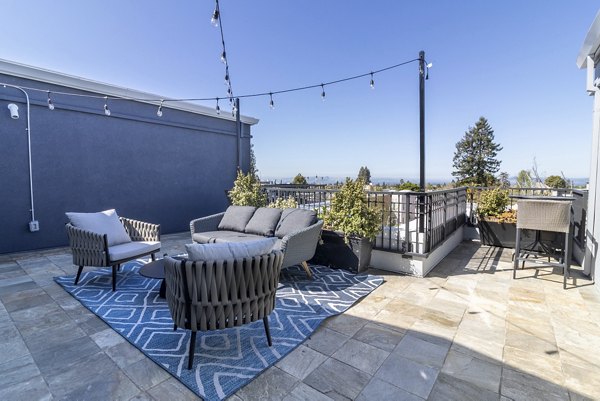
x: 92, y: 249
x: 221, y: 294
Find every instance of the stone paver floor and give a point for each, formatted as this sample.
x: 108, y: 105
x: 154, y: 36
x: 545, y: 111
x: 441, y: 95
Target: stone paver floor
x: 468, y: 331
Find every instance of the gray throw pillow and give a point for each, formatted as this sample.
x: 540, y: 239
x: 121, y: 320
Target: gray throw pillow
x: 106, y: 222
x: 236, y: 218
x: 229, y: 250
x: 294, y: 220
x: 264, y: 221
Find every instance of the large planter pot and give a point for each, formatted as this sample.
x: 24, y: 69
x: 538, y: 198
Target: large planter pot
x: 504, y: 234
x: 334, y: 252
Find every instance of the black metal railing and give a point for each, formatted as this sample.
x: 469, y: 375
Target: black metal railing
x: 412, y: 222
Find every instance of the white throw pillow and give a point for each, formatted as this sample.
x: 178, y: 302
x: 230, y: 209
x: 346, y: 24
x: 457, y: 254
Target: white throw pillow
x: 229, y: 250
x: 106, y: 222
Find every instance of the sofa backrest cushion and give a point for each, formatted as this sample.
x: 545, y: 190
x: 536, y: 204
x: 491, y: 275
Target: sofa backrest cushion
x: 236, y: 218
x: 293, y: 220
x: 230, y: 250
x: 264, y: 221
x: 106, y: 222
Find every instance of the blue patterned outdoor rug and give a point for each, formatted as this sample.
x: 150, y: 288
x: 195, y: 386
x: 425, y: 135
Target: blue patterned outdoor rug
x: 225, y: 360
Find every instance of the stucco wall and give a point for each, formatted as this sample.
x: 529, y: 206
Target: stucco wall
x: 165, y: 170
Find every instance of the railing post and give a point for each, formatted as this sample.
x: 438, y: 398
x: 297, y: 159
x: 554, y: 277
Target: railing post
x: 445, y: 215
x: 407, y: 223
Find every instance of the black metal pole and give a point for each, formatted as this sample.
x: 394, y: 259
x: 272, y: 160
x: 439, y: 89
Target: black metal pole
x: 422, y: 119
x: 238, y: 128
x: 422, y: 140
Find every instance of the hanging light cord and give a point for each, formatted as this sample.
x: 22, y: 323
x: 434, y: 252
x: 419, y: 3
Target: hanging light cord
x: 269, y: 93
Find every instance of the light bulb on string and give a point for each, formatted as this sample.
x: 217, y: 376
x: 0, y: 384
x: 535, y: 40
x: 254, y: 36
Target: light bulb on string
x: 271, y: 103
x: 428, y: 67
x: 50, y: 104
x: 234, y: 110
x: 215, y: 18
x: 229, y: 93
x: 224, y: 57
x: 226, y: 75
x: 218, y: 109
x: 159, y: 112
x: 372, y: 83
x: 106, y: 109
x: 323, y: 92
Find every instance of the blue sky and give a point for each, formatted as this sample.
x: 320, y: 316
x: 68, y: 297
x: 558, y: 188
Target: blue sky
x: 511, y: 61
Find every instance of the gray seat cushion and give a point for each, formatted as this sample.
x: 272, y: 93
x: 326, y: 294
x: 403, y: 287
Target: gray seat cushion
x: 211, y: 237
x: 236, y: 218
x: 230, y: 250
x: 264, y: 221
x: 294, y: 220
x: 133, y: 249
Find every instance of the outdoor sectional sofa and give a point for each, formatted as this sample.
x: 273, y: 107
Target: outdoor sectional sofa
x: 297, y: 230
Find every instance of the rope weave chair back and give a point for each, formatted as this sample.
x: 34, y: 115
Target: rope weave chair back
x: 544, y: 215
x: 213, y: 295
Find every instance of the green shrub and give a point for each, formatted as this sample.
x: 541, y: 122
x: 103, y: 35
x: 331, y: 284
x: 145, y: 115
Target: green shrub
x: 350, y: 213
x: 492, y: 202
x: 247, y: 191
x: 283, y: 203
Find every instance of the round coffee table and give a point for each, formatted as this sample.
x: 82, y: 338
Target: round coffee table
x: 155, y: 269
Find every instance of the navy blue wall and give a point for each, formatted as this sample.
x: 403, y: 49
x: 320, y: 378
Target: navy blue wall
x: 165, y: 170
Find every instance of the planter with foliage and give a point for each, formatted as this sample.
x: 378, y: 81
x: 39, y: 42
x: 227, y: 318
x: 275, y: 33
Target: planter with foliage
x: 351, y: 226
x: 498, y: 225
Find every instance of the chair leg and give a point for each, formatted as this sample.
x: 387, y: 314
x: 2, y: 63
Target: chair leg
x: 78, y: 274
x: 192, y: 349
x: 517, y: 253
x: 566, y: 261
x: 267, y: 331
x: 114, y: 277
x: 174, y: 327
x: 307, y: 269
x: 153, y: 256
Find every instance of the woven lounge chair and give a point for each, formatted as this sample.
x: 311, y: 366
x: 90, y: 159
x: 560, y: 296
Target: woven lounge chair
x: 214, y: 295
x: 90, y: 248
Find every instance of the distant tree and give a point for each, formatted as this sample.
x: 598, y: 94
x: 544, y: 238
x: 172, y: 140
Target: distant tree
x: 364, y: 174
x: 252, y: 170
x: 504, y: 180
x: 555, y: 181
x: 524, y: 179
x: 299, y: 180
x: 408, y: 186
x: 475, y: 156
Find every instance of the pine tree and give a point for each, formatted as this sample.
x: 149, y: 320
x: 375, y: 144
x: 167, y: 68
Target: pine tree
x: 475, y: 157
x: 364, y: 174
x: 299, y: 179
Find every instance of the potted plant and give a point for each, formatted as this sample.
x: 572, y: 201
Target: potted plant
x: 350, y: 227
x: 496, y: 221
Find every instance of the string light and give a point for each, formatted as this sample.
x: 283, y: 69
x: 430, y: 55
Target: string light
x: 271, y: 103
x: 50, y: 104
x: 234, y: 110
x: 215, y: 17
x: 229, y: 91
x: 226, y: 75
x: 159, y: 112
x: 372, y: 83
x: 428, y: 67
x: 106, y: 109
x: 224, y: 57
